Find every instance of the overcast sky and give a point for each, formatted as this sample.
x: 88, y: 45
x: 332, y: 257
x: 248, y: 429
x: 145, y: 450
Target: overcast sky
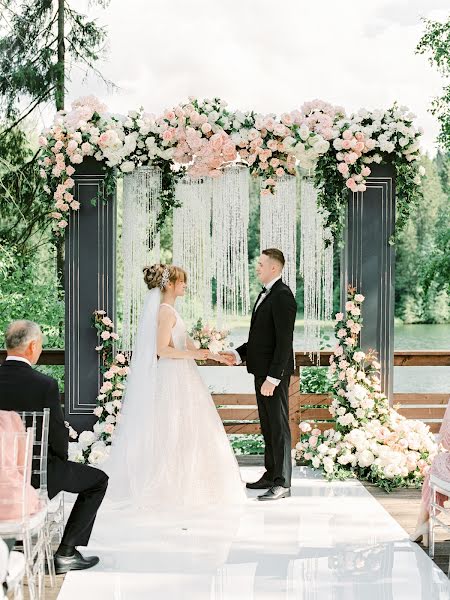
x: 257, y: 56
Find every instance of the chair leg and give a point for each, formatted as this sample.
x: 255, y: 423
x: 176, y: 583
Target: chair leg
x: 49, y: 555
x: 431, y: 523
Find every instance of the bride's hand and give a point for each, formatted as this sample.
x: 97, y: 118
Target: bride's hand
x: 201, y: 354
x: 217, y: 358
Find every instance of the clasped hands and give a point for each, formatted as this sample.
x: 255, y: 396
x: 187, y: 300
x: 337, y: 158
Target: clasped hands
x: 267, y: 388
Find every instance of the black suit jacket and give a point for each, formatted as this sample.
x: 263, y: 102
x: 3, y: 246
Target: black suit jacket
x: 22, y: 388
x: 269, y: 349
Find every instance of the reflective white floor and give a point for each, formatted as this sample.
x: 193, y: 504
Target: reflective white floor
x: 329, y: 541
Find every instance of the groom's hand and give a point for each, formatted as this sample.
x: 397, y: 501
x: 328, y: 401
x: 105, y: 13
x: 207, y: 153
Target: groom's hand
x: 267, y: 388
x: 229, y: 358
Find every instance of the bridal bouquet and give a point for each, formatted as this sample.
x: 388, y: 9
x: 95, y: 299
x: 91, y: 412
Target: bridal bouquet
x: 209, y: 338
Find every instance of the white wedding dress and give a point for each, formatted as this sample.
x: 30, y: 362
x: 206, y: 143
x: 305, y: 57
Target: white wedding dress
x: 170, y: 449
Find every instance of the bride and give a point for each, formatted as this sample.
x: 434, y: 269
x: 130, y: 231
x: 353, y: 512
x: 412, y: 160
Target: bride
x: 170, y: 448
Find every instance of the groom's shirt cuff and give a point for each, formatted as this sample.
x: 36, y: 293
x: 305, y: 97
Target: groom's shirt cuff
x: 273, y: 380
x: 236, y: 355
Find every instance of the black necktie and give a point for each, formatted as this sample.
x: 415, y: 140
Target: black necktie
x: 263, y: 289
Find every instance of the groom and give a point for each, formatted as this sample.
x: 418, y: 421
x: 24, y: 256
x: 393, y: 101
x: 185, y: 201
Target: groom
x: 269, y: 356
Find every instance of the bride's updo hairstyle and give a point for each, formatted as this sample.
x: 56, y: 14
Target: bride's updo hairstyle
x: 161, y: 275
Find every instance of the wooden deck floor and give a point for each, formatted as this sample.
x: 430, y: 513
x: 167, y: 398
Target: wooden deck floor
x: 402, y: 504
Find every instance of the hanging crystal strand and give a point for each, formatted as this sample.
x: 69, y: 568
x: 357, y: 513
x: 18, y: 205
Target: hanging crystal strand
x: 311, y: 267
x: 229, y: 240
x: 328, y: 268
x: 140, y: 243
x: 192, y: 244
x: 278, y: 225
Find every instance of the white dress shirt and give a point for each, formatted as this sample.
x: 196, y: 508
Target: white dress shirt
x: 19, y: 358
x: 260, y: 299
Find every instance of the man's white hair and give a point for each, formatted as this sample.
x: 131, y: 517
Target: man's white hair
x: 20, y: 333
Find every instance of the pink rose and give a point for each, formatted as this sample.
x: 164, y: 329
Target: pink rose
x: 69, y: 183
x: 107, y: 321
x: 115, y: 336
x: 206, y: 128
x: 70, y: 170
x: 313, y: 441
x: 105, y: 335
x: 280, y: 172
x: 62, y: 224
x: 346, y: 145
x: 56, y: 215
x: 121, y: 358
x: 58, y: 146
x: 350, y: 183
x: 347, y: 135
x: 168, y: 135
x: 75, y: 205
x: 266, y: 192
x: 109, y: 428
x: 343, y: 168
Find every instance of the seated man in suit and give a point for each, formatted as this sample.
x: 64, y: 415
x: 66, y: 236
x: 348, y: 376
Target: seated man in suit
x: 24, y: 389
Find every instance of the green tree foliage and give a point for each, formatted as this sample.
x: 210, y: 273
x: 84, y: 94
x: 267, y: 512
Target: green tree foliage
x: 24, y: 207
x: 422, y: 253
x: 435, y: 43
x: 35, y: 37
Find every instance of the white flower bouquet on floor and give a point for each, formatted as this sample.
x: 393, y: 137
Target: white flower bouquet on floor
x: 370, y: 440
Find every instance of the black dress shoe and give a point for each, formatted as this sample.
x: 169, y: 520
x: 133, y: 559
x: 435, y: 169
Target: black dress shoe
x: 276, y: 492
x: 261, y: 484
x: 76, y: 562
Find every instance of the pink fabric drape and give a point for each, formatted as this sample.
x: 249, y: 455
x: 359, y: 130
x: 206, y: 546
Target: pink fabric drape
x: 441, y: 463
x: 11, y: 471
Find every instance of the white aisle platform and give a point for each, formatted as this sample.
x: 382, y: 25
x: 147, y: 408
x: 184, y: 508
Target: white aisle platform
x: 329, y: 541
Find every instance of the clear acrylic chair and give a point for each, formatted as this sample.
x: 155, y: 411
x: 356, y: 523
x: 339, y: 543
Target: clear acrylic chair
x: 12, y: 572
x: 28, y: 512
x: 40, y: 422
x: 440, y: 486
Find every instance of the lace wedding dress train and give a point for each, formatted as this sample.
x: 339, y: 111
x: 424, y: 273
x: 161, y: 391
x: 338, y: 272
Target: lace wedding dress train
x: 172, y: 450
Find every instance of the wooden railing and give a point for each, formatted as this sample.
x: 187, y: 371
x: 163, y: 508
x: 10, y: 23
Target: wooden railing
x: 239, y: 412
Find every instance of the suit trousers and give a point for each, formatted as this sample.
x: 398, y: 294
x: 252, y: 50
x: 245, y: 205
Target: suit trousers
x: 274, y: 420
x: 90, y: 484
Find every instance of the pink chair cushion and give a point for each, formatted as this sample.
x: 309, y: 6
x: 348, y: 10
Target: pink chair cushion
x: 11, y: 477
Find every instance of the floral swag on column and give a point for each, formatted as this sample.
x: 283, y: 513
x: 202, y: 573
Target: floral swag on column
x: 201, y: 137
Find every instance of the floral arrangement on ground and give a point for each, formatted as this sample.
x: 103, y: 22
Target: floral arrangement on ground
x: 370, y: 439
x: 202, y: 137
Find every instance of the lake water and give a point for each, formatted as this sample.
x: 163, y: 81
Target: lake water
x: 406, y: 379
